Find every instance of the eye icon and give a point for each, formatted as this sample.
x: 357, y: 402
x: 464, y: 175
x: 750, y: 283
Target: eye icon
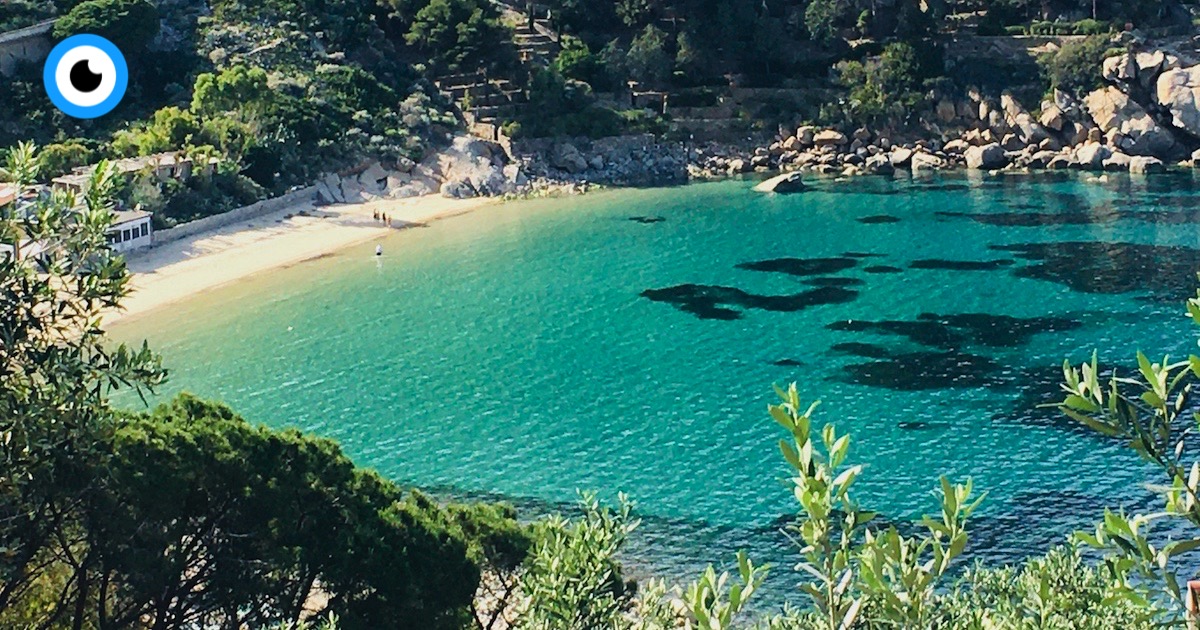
x: 85, y: 76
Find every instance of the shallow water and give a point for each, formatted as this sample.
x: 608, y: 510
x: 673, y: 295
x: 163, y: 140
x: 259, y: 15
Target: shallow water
x: 532, y: 349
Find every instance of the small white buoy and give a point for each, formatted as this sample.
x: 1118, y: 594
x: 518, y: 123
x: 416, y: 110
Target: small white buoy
x: 379, y: 250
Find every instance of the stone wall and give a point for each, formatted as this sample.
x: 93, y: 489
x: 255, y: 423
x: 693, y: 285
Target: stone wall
x: 30, y: 44
x: 612, y: 144
x: 640, y: 159
x: 252, y: 211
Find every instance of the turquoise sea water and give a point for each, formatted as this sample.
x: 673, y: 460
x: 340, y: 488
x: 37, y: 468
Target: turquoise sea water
x: 628, y: 341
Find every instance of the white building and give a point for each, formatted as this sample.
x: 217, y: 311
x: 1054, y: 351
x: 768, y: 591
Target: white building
x: 130, y: 230
x: 162, y: 166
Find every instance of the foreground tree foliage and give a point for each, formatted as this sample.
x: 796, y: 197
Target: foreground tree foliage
x: 854, y: 572
x: 1153, y: 410
x: 55, y: 373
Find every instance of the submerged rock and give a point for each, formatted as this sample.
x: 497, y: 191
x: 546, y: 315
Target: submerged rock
x: 786, y: 183
x: 801, y: 266
x: 727, y: 303
x: 1141, y: 165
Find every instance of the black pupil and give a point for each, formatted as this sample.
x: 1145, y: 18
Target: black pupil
x: 82, y: 77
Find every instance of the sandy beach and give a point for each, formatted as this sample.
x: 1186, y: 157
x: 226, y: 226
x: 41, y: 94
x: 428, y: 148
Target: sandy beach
x: 173, y: 271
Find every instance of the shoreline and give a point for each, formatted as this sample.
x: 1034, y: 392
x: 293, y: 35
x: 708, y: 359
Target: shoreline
x: 175, y: 271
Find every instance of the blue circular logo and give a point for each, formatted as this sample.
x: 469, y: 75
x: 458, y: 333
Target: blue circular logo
x: 85, y: 76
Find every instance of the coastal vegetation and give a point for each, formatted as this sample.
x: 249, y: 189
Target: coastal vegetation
x: 285, y: 92
x: 188, y: 515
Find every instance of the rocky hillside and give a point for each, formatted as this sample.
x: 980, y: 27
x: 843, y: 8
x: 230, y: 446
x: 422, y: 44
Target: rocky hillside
x: 1145, y: 115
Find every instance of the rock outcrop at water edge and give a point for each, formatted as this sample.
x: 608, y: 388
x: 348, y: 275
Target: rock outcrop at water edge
x: 783, y: 184
x: 467, y: 167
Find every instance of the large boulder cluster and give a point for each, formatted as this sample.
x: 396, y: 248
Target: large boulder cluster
x: 824, y: 151
x: 622, y: 160
x: 468, y: 167
x: 1146, y: 116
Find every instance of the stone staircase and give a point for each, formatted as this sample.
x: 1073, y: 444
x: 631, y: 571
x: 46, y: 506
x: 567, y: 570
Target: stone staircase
x: 537, y: 45
x: 487, y: 102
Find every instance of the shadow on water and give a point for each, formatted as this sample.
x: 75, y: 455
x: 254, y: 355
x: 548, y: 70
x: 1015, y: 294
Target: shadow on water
x: 1039, y: 392
x: 883, y: 269
x: 918, y: 371
x: 801, y: 266
x: 963, y: 329
x: 960, y: 265
x: 1097, y: 215
x: 878, y: 219
x: 714, y: 302
x: 946, y: 363
x: 1165, y: 272
x: 860, y: 349
x: 834, y: 282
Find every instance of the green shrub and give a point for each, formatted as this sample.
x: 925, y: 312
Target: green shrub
x: 461, y: 35
x: 1092, y: 27
x: 16, y: 14
x: 648, y: 60
x: 1082, y: 27
x: 883, y: 88
x: 512, y: 129
x: 58, y: 159
x: 202, y: 196
x: 576, y: 61
x: 1076, y: 67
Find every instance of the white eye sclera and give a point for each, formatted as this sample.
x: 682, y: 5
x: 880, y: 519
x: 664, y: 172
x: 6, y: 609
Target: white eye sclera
x: 86, y: 76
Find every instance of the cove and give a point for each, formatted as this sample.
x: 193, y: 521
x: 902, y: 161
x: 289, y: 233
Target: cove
x: 531, y: 349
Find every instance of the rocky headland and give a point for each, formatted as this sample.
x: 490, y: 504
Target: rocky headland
x: 1144, y: 119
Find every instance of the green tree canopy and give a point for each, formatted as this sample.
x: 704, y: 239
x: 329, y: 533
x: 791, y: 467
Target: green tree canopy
x: 649, y: 60
x: 460, y: 34
x: 130, y: 24
x: 207, y: 519
x: 576, y: 61
x: 240, y: 88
